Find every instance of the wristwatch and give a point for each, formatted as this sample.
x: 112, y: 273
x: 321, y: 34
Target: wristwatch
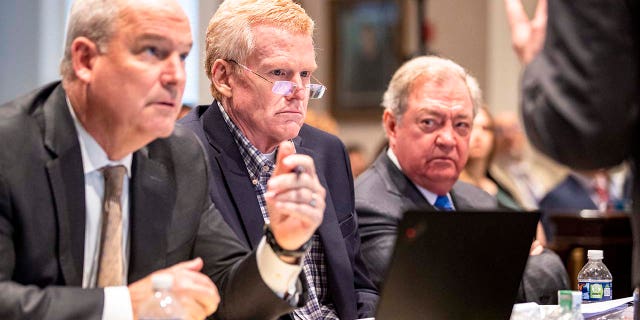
x: 271, y: 240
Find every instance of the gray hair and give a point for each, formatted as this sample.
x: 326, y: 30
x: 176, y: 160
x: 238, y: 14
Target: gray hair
x: 93, y: 19
x: 435, y: 69
x: 229, y: 34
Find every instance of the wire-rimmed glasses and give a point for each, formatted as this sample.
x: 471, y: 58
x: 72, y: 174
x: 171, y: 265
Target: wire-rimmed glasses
x: 285, y: 88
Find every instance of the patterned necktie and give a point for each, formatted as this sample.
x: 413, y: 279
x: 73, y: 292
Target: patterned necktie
x: 443, y: 204
x: 110, y: 269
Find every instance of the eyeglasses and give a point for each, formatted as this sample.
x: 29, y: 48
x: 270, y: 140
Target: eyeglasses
x: 285, y: 88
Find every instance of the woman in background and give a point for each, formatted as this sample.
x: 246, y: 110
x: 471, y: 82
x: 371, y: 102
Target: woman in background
x: 476, y: 171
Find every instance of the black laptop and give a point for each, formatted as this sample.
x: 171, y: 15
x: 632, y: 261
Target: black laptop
x: 457, y: 265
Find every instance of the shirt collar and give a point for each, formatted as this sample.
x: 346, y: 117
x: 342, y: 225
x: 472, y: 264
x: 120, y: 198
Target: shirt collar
x: 430, y: 196
x: 254, y: 160
x: 93, y: 156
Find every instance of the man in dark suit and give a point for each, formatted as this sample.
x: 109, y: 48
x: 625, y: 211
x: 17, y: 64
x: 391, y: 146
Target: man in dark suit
x: 261, y: 90
x: 114, y: 112
x: 429, y: 106
x: 581, y: 85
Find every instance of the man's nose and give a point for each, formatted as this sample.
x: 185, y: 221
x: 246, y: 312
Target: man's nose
x: 446, y: 137
x: 299, y: 90
x: 174, y: 73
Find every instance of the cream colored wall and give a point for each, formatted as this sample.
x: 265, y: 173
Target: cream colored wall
x: 206, y: 10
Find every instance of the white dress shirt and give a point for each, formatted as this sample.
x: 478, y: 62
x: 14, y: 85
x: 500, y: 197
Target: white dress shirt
x: 430, y: 196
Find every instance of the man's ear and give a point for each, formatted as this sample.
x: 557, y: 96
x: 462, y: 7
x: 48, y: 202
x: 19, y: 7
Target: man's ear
x: 84, y: 53
x: 389, y: 123
x: 220, y: 76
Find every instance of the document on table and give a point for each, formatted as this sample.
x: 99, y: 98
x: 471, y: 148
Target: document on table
x: 590, y: 309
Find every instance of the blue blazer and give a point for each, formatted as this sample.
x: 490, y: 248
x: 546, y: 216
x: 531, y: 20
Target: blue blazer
x: 569, y: 195
x: 349, y: 287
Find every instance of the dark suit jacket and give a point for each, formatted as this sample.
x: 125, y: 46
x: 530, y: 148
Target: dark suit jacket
x: 570, y: 195
x: 350, y: 289
x: 581, y: 94
x: 384, y: 193
x: 42, y: 218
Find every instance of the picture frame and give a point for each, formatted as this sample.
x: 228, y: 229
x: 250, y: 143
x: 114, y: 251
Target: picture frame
x: 366, y: 51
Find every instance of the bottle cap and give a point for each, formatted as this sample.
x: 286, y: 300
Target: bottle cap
x: 595, y: 254
x: 162, y: 281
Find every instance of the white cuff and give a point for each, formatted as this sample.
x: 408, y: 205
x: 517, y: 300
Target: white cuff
x: 280, y: 276
x: 117, y: 304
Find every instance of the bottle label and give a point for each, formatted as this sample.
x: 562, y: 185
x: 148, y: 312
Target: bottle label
x: 596, y: 291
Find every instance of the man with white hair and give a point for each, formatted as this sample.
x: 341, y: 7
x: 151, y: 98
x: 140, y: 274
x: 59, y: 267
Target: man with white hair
x: 429, y: 106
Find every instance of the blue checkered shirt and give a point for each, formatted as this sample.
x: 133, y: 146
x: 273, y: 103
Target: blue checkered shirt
x: 260, y: 168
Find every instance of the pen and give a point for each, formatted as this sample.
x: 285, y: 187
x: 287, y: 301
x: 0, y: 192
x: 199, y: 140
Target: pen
x: 298, y: 171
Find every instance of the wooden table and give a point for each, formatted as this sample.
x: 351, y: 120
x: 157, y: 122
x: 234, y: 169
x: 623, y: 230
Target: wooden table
x: 575, y: 233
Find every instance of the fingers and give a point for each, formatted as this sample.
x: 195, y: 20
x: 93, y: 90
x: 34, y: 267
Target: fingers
x: 516, y: 13
x: 196, y: 292
x: 541, y: 13
x: 536, y: 248
x: 193, y: 265
x: 285, y: 149
x: 307, y: 209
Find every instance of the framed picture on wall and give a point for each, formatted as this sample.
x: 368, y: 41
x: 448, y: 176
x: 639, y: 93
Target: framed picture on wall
x: 366, y: 37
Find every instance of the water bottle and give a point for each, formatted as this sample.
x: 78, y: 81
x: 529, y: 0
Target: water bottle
x: 594, y: 280
x: 162, y: 305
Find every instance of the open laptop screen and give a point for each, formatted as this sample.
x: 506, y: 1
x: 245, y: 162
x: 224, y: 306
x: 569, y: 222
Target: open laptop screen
x: 457, y: 265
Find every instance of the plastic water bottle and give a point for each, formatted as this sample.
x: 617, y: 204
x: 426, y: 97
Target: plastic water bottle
x: 594, y: 280
x: 162, y: 305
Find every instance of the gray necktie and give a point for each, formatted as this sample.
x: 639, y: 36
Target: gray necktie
x: 110, y: 268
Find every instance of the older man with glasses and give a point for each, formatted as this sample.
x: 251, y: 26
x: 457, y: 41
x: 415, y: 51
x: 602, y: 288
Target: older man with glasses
x: 260, y: 58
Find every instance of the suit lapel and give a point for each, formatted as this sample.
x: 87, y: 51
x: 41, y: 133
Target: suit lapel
x: 153, y: 195
x: 245, y: 209
x: 397, y: 183
x: 66, y: 178
x: 335, y: 250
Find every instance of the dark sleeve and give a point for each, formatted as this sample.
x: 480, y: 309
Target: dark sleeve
x: 378, y: 233
x: 234, y: 270
x: 580, y: 94
x: 19, y: 301
x: 230, y: 265
x: 366, y: 292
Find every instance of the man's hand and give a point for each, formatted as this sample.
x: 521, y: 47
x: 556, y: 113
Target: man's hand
x: 527, y: 36
x: 196, y: 292
x: 295, y: 198
x: 536, y: 248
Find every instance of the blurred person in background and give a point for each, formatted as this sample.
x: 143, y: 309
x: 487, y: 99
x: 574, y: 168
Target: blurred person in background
x: 520, y: 170
x: 358, y: 159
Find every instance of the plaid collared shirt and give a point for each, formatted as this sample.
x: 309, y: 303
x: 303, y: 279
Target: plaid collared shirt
x: 260, y: 168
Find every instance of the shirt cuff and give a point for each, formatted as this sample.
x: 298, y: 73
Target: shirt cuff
x: 280, y: 276
x: 117, y: 304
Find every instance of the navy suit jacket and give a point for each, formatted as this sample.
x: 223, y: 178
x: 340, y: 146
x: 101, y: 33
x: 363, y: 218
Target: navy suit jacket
x: 569, y: 195
x: 350, y: 290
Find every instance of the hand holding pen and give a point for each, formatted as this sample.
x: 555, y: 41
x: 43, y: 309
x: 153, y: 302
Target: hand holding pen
x: 295, y: 198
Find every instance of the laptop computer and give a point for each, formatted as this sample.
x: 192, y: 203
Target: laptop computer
x: 457, y: 265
